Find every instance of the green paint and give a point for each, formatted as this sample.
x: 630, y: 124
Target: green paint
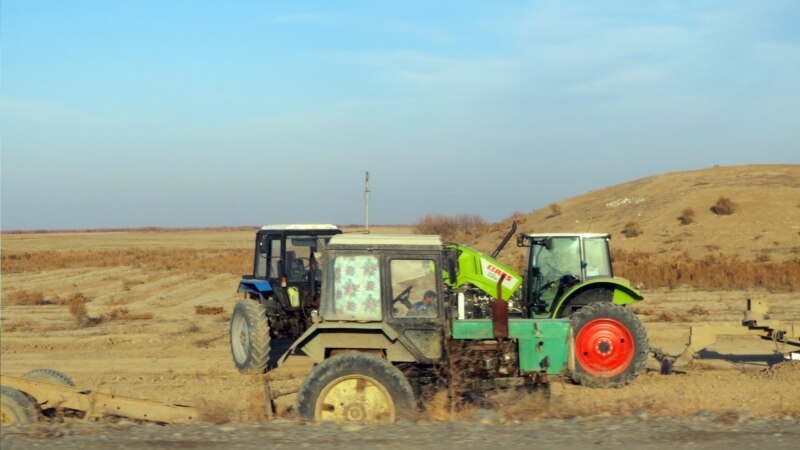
x: 541, y: 341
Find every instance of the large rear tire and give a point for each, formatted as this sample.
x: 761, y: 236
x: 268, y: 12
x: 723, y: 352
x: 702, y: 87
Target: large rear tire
x: 356, y: 386
x: 16, y: 407
x: 610, y: 345
x: 249, y: 335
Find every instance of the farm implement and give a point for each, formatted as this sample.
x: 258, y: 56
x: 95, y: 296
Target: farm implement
x: 46, y: 393
x: 756, y: 322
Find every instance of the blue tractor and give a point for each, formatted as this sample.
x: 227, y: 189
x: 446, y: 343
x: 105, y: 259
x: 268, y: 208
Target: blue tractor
x: 281, y: 293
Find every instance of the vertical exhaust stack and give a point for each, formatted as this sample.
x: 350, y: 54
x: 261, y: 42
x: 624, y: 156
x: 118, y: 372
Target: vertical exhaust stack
x: 500, y: 312
x: 505, y: 240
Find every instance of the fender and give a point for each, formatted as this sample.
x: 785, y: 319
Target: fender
x: 257, y: 288
x: 323, y: 336
x: 622, y: 291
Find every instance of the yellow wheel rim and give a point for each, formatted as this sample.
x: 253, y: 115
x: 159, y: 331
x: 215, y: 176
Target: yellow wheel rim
x: 355, y: 397
x: 6, y: 416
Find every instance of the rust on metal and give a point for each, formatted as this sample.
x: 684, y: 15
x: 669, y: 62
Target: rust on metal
x: 500, y: 312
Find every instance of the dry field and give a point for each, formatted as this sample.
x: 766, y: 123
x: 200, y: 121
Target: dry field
x: 145, y: 314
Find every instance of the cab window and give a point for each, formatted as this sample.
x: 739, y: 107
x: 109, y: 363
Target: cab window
x: 357, y: 287
x: 414, y: 288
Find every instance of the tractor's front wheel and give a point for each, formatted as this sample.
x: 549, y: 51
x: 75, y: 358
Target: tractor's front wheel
x: 610, y: 345
x: 355, y: 386
x: 249, y: 334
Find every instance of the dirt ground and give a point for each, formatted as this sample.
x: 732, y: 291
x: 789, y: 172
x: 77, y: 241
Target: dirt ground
x: 173, y: 346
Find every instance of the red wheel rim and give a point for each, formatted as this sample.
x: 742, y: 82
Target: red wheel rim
x: 604, y: 347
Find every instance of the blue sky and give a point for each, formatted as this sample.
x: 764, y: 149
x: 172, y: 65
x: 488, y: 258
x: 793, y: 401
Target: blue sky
x: 211, y: 113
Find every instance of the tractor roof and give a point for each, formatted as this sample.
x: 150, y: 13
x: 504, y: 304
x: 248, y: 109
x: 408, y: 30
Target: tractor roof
x: 385, y: 240
x: 301, y: 226
x: 556, y: 235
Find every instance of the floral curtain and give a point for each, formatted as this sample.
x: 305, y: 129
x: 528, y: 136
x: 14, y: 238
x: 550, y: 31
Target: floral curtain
x: 357, y: 292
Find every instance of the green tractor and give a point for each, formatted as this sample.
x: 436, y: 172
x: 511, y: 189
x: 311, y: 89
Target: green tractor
x: 564, y: 272
x: 397, y: 322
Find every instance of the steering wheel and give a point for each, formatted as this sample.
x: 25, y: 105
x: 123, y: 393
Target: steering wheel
x: 403, y: 298
x: 548, y: 284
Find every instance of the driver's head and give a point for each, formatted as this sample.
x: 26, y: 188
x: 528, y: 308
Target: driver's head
x: 429, y: 297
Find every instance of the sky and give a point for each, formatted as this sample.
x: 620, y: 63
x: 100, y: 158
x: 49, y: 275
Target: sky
x: 137, y: 113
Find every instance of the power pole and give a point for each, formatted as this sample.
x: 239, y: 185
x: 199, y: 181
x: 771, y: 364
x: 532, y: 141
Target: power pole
x: 366, y: 201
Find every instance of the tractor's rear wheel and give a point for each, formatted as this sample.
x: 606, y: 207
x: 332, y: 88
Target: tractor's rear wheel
x: 16, y: 407
x: 249, y: 333
x: 49, y: 376
x: 355, y: 386
x: 610, y: 345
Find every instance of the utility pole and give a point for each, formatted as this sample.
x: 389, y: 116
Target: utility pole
x: 366, y: 201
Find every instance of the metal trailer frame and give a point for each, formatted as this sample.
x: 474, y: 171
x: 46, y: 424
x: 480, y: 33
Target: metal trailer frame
x: 96, y: 404
x: 756, y: 322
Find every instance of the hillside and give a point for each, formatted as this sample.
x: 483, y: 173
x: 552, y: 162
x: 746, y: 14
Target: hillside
x: 766, y: 220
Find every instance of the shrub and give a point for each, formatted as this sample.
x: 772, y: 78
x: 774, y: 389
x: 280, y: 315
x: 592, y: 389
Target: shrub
x: 724, y: 207
x: 632, y: 229
x: 24, y: 298
x: 450, y: 227
x: 555, y: 210
x: 77, y: 309
x: 698, y: 310
x: 763, y: 257
x: 687, y: 217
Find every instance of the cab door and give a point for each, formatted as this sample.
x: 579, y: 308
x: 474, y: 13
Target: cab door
x: 419, y: 328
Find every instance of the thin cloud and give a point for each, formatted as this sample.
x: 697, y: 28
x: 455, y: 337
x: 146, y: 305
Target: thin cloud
x: 37, y: 111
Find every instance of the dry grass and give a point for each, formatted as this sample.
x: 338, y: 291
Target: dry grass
x: 24, y: 298
x: 714, y: 272
x: 207, y: 262
x: 207, y: 341
x: 123, y: 314
x: 214, y: 412
x: 76, y: 305
x: 128, y: 284
x: 192, y: 328
x: 208, y: 310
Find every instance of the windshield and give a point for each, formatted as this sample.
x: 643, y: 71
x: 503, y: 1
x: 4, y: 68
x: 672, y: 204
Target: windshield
x: 564, y: 258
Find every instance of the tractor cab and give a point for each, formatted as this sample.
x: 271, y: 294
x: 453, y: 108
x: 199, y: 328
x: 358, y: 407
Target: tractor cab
x: 561, y: 263
x: 286, y: 274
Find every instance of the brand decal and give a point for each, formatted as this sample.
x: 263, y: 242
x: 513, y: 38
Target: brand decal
x: 493, y: 272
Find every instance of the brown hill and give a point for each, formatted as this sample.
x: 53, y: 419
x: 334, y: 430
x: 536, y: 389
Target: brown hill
x: 763, y: 227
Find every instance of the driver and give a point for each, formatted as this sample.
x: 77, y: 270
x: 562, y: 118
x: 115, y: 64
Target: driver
x: 425, y: 307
